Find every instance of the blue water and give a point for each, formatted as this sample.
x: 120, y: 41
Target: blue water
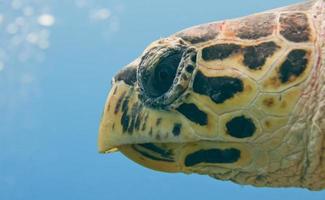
x: 50, y: 104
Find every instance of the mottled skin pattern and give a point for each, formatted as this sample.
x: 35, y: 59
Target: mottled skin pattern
x: 240, y: 100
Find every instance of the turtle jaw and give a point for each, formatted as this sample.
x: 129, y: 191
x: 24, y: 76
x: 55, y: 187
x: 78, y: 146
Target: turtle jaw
x: 158, y: 157
x: 114, y: 129
x: 145, y: 135
x: 112, y: 120
x: 107, y: 125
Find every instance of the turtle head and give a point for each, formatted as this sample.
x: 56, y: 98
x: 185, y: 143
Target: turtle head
x: 231, y: 99
x: 142, y: 116
x: 160, y: 112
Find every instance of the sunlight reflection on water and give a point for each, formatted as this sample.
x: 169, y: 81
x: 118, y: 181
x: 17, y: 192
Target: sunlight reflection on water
x: 20, y: 21
x: 25, y: 35
x: 100, y: 14
x: 25, y: 32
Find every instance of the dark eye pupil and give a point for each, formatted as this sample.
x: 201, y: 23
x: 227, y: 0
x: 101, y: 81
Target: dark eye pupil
x: 164, y: 74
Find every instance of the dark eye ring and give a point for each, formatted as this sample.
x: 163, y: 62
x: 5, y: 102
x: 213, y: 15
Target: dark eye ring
x: 162, y: 75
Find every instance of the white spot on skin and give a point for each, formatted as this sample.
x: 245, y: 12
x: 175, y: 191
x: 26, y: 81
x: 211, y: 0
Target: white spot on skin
x: 46, y: 20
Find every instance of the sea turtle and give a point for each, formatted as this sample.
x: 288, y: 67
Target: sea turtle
x: 240, y: 100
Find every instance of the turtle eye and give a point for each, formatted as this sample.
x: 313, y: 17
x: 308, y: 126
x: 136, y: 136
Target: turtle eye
x: 163, y: 75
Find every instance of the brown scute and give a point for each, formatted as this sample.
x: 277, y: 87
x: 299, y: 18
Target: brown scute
x: 177, y: 129
x: 201, y: 33
x: 125, y: 121
x: 294, y: 65
x: 268, y: 124
x: 255, y: 56
x: 144, y: 123
x: 138, y: 121
x: 283, y: 104
x: 295, y: 27
x: 125, y: 103
x: 256, y: 26
x: 133, y: 116
x: 119, y: 102
x: 241, y: 127
x: 219, y: 51
x: 158, y: 121
x: 125, y: 118
x: 150, y: 132
x: 214, y: 156
x: 268, y: 102
x: 130, y: 121
x: 219, y: 89
x: 193, y: 113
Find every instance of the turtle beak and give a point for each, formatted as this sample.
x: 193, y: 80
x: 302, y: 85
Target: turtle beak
x: 113, y: 121
x: 147, y: 136
x: 131, y: 128
x: 121, y: 118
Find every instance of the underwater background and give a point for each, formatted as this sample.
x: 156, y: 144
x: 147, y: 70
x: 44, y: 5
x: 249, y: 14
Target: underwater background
x: 57, y: 58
